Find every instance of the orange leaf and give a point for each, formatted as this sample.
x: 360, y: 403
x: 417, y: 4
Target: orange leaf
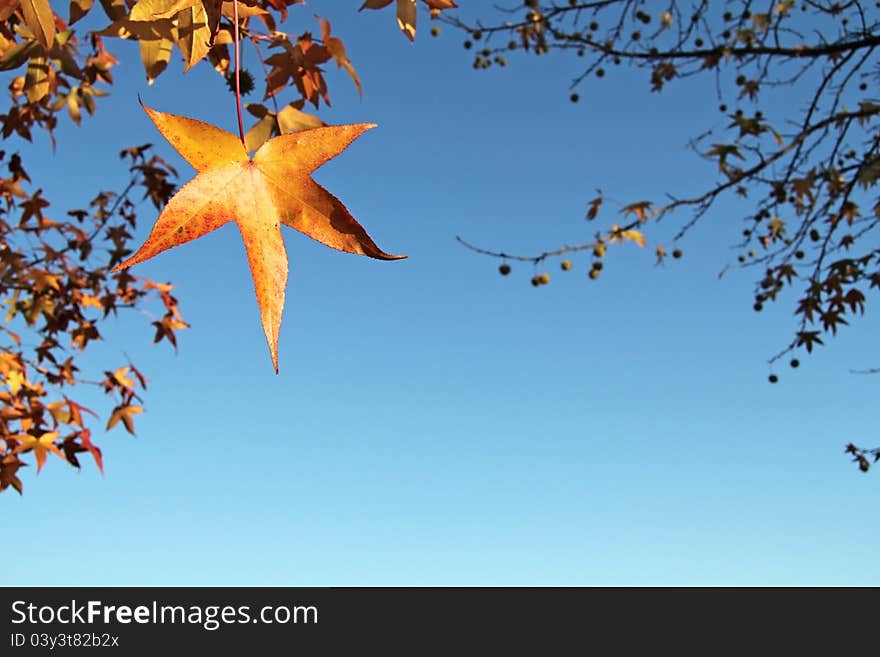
x: 641, y: 209
x: 436, y: 6
x: 40, y: 446
x: 122, y: 379
x: 406, y: 12
x: 78, y: 9
x: 258, y: 194
x: 75, y: 411
x: 124, y: 413
x: 337, y: 49
x: 375, y: 4
x: 85, y: 439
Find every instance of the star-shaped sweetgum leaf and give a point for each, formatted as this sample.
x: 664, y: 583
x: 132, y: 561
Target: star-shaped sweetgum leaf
x: 259, y: 194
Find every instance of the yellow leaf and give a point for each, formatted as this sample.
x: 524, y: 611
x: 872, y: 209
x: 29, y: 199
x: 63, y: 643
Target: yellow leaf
x: 115, y: 9
x: 640, y: 209
x: 125, y: 414
x: 91, y: 300
x: 14, y: 380
x: 761, y: 21
x: 38, y: 16
x: 40, y: 446
x: 617, y: 234
x: 290, y: 119
x: 634, y: 236
x: 784, y: 7
x: 142, y: 24
x: 155, y: 55
x: 43, y: 279
x: 36, y: 80
x: 120, y: 376
x: 72, y: 102
x: 776, y: 226
x: 59, y: 413
x: 145, y: 10
x: 406, y: 13
x: 260, y: 132
x: 193, y: 34
x: 17, y: 54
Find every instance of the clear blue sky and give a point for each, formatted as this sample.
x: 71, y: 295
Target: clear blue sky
x: 433, y: 422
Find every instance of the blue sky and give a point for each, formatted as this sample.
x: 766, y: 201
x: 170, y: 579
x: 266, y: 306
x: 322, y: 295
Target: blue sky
x: 433, y: 422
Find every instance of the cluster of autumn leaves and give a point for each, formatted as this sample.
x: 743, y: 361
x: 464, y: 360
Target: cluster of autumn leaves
x: 63, y: 277
x: 53, y: 74
x: 58, y: 291
x: 59, y: 287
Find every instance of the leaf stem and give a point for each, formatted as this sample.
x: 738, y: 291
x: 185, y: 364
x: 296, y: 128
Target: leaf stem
x: 237, y: 40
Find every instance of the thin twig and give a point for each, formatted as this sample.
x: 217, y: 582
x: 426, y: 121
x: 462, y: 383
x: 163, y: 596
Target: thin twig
x: 237, y: 39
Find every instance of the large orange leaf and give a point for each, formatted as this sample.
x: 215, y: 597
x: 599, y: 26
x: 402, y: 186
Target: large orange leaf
x: 258, y: 194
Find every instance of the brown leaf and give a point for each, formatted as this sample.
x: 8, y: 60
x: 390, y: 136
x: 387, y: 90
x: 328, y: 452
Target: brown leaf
x: 406, y: 14
x: 595, y: 205
x: 375, y: 4
x: 170, y: 8
x: 115, y: 9
x: 78, y: 9
x: 156, y: 36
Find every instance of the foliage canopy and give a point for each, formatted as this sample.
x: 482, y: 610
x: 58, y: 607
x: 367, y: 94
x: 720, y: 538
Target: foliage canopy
x: 809, y: 173
x: 64, y: 277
